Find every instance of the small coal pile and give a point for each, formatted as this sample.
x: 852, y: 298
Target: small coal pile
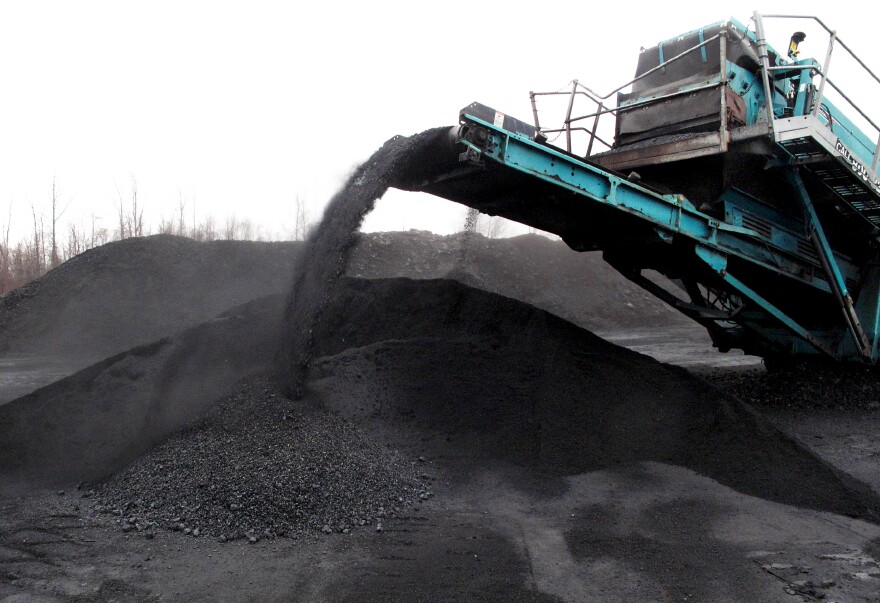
x: 262, y: 466
x: 805, y: 384
x: 101, y: 418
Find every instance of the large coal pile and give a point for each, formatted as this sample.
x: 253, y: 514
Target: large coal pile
x: 470, y: 374
x: 497, y: 378
x: 579, y: 287
x: 262, y: 465
x: 519, y: 383
x: 133, y: 292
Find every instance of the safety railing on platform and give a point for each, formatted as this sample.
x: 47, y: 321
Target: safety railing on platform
x: 601, y: 101
x: 823, y: 72
x: 603, y: 104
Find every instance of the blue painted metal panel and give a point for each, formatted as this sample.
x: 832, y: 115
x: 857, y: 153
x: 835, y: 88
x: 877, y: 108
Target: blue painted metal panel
x: 671, y: 212
x: 778, y: 249
x: 759, y: 242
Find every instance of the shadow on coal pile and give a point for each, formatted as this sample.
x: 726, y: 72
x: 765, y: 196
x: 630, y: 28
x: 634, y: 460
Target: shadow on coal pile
x: 491, y: 376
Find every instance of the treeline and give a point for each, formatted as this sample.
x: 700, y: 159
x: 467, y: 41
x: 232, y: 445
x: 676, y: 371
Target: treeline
x: 53, y: 241
x: 48, y: 247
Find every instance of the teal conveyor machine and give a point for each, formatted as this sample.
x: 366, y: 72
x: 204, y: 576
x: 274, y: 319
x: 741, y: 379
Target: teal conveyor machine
x: 730, y: 172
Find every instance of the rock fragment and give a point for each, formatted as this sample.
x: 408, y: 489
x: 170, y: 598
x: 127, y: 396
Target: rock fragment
x: 248, y: 470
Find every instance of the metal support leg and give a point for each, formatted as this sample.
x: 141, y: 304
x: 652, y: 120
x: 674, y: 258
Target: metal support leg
x: 722, y: 41
x: 765, y: 72
x: 829, y: 264
x: 705, y: 315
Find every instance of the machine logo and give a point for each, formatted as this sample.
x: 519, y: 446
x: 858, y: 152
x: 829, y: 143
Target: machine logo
x: 861, y: 171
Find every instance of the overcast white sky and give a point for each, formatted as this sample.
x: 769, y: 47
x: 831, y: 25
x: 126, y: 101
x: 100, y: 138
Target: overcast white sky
x: 241, y: 106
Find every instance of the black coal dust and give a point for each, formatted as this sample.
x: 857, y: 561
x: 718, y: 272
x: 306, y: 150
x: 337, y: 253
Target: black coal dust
x: 401, y: 162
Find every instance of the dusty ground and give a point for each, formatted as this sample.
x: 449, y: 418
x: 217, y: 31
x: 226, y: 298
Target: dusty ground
x: 493, y: 532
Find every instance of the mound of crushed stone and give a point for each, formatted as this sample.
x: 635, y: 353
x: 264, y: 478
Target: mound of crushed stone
x: 263, y: 466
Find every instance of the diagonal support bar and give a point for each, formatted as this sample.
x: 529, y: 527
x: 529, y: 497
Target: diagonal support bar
x: 718, y: 263
x: 838, y: 285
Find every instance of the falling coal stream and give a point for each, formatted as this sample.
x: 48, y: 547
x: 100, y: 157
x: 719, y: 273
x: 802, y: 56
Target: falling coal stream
x: 402, y: 162
x: 470, y: 227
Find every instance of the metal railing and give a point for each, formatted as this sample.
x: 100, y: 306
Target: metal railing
x: 832, y: 40
x: 601, y: 101
x: 603, y: 107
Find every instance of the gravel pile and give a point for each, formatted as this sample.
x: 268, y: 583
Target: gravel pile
x: 263, y: 466
x: 804, y: 385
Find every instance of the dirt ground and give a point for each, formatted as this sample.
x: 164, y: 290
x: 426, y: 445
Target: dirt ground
x: 494, y: 531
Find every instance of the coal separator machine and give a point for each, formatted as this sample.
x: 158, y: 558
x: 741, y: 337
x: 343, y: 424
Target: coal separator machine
x: 730, y: 172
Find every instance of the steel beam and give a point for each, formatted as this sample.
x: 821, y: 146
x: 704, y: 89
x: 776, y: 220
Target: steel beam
x: 673, y: 214
x: 829, y: 264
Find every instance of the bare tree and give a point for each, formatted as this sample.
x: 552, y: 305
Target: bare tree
x: 5, y: 266
x: 181, y: 207
x: 300, y: 224
x: 494, y: 227
x: 231, y: 229
x: 55, y: 254
x: 137, y: 213
x: 54, y: 260
x: 76, y: 242
x: 208, y: 229
x: 122, y: 230
x: 98, y: 235
x: 131, y: 217
x: 35, y: 265
x: 8, y: 225
x: 167, y: 225
x: 246, y: 230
